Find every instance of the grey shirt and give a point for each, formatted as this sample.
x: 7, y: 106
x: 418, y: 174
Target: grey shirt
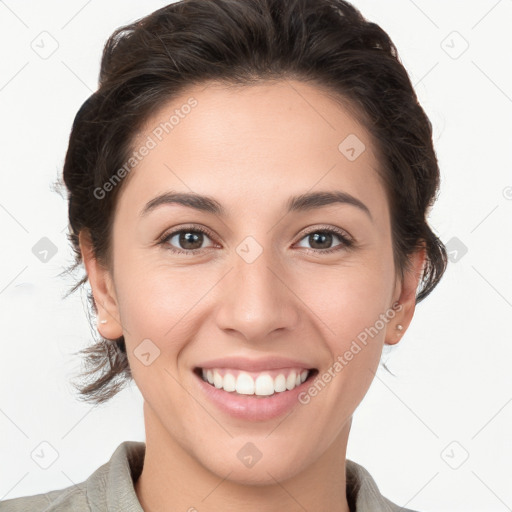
x: 111, y: 488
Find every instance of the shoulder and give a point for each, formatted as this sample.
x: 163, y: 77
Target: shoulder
x: 364, y: 494
x: 72, y: 498
x: 109, y: 487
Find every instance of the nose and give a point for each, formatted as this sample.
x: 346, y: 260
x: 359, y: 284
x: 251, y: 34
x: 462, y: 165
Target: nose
x: 257, y: 299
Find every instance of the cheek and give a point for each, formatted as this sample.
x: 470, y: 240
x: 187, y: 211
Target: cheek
x: 351, y: 308
x: 156, y: 298
x: 349, y: 299
x: 166, y: 306
x: 146, y: 286
x: 157, y: 310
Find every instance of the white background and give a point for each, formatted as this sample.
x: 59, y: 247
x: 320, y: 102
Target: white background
x: 453, y: 384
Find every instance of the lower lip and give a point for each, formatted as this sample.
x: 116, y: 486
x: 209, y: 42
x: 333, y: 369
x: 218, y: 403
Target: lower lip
x: 251, y: 407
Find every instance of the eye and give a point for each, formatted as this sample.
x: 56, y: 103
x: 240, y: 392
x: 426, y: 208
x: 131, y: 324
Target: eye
x: 320, y: 238
x: 190, y: 240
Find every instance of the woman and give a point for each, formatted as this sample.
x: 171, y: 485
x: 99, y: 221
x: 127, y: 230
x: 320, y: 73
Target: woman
x: 248, y: 192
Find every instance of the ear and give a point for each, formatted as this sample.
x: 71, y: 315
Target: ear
x: 103, y: 291
x: 406, y: 296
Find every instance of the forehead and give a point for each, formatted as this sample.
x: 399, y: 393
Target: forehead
x: 253, y: 142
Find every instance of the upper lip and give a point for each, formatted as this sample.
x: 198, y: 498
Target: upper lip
x: 254, y: 365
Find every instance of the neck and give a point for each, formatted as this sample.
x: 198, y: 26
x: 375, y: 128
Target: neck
x: 173, y: 478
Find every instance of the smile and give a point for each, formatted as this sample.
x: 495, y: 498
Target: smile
x: 264, y: 384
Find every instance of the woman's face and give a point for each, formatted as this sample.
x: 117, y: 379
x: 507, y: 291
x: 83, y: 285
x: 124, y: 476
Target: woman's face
x: 262, y: 283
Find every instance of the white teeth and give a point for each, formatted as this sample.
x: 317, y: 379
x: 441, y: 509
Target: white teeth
x: 263, y: 385
x: 245, y: 384
x: 290, y: 381
x: 229, y: 383
x: 280, y: 383
x: 217, y: 379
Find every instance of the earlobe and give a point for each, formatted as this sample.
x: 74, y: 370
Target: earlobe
x: 407, y: 297
x: 100, y: 280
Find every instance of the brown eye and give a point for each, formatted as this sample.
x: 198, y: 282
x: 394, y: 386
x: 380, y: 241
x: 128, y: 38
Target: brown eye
x: 321, y: 240
x: 186, y: 241
x: 190, y: 240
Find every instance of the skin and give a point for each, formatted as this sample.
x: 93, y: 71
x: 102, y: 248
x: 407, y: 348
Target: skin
x: 251, y: 148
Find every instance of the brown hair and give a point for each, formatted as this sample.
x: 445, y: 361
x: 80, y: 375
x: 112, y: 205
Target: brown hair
x: 242, y: 42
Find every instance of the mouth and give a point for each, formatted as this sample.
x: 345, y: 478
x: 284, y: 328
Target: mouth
x: 262, y: 384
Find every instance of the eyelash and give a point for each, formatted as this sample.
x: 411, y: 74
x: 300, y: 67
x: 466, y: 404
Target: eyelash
x: 347, y: 243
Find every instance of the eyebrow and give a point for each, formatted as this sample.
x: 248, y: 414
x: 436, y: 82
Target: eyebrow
x: 300, y: 203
